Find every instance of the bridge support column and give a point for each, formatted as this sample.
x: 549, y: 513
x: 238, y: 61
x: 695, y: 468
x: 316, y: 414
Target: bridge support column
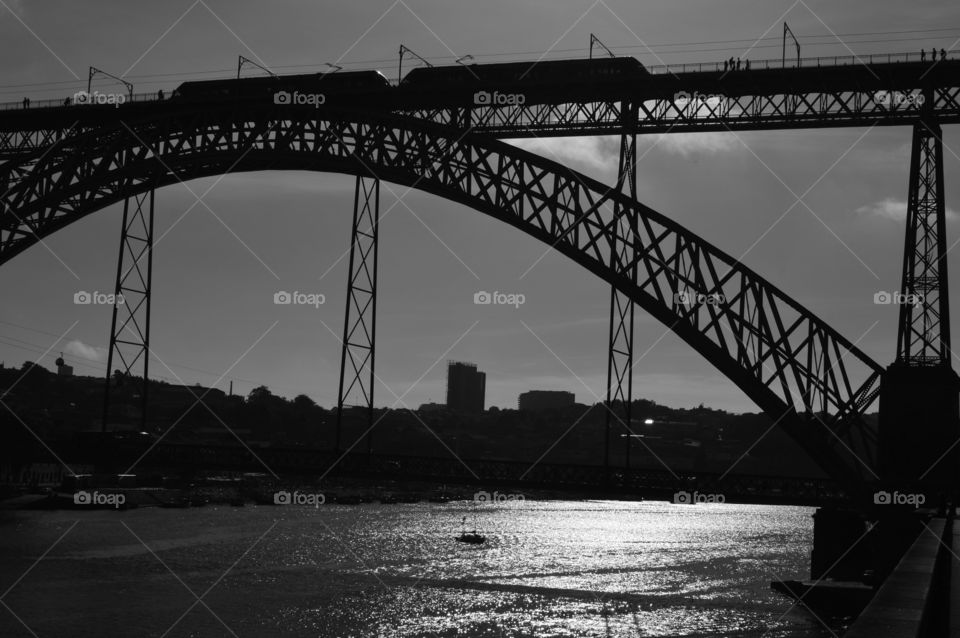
x: 919, y: 410
x: 360, y: 315
x: 620, y: 350
x: 130, y: 324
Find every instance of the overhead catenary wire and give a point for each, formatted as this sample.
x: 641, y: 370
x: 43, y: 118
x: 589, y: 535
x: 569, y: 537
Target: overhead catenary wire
x: 98, y: 365
x: 42, y: 349
x: 665, y: 48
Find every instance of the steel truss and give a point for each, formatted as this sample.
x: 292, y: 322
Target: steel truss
x: 130, y: 336
x: 789, y: 362
x: 360, y: 315
x: 923, y: 338
x: 620, y: 350
x: 855, y: 95
x: 690, y: 111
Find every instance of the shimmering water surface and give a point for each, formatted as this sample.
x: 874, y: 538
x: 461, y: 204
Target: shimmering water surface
x: 549, y: 568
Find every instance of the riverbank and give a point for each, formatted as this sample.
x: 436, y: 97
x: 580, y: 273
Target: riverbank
x: 235, y: 491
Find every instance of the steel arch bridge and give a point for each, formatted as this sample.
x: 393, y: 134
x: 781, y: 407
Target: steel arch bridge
x: 816, y: 384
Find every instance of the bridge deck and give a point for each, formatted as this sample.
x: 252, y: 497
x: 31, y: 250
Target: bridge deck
x: 889, y: 89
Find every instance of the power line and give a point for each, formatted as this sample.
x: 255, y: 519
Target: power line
x: 88, y: 362
x: 172, y: 365
x: 663, y: 47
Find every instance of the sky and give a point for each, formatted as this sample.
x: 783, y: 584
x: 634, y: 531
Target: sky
x: 218, y: 264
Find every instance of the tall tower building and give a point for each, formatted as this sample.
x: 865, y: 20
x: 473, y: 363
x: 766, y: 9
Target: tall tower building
x: 466, y: 387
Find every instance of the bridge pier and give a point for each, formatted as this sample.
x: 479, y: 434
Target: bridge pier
x: 919, y: 409
x: 919, y: 416
x: 130, y: 337
x: 625, y: 246
x: 360, y: 314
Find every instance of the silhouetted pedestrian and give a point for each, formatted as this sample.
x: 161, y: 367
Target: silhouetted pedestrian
x: 66, y: 102
x: 746, y: 65
x: 943, y: 54
x: 923, y: 55
x: 26, y: 103
x: 160, y: 94
x: 933, y: 55
x: 738, y: 64
x: 726, y: 63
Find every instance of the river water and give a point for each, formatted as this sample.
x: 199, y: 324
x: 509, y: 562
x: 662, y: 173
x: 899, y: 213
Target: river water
x: 549, y: 569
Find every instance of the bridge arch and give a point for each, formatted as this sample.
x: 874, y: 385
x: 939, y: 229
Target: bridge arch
x: 812, y: 381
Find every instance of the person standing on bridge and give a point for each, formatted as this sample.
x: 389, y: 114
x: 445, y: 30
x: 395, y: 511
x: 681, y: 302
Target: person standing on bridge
x: 726, y: 63
x: 923, y: 55
x: 943, y: 54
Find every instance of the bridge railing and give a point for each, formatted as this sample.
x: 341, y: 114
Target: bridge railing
x: 814, y: 62
x: 69, y: 101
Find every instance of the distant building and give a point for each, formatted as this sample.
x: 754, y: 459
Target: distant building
x: 62, y: 368
x: 466, y: 387
x: 536, y: 400
x: 431, y: 407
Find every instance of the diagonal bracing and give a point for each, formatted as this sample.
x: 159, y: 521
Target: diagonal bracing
x: 360, y: 314
x: 923, y: 338
x: 620, y: 352
x: 130, y: 324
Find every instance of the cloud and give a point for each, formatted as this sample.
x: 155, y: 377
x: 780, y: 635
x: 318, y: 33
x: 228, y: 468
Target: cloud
x: 15, y: 7
x: 894, y: 209
x: 83, y: 351
x: 597, y: 152
x: 602, y: 152
x: 690, y: 144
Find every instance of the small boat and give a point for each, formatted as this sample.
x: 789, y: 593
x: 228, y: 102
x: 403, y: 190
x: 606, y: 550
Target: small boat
x: 472, y: 538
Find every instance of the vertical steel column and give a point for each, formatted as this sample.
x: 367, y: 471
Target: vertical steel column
x: 360, y: 315
x: 923, y: 337
x: 620, y: 351
x: 130, y: 337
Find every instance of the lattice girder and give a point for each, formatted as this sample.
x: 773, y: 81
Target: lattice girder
x: 756, y: 335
